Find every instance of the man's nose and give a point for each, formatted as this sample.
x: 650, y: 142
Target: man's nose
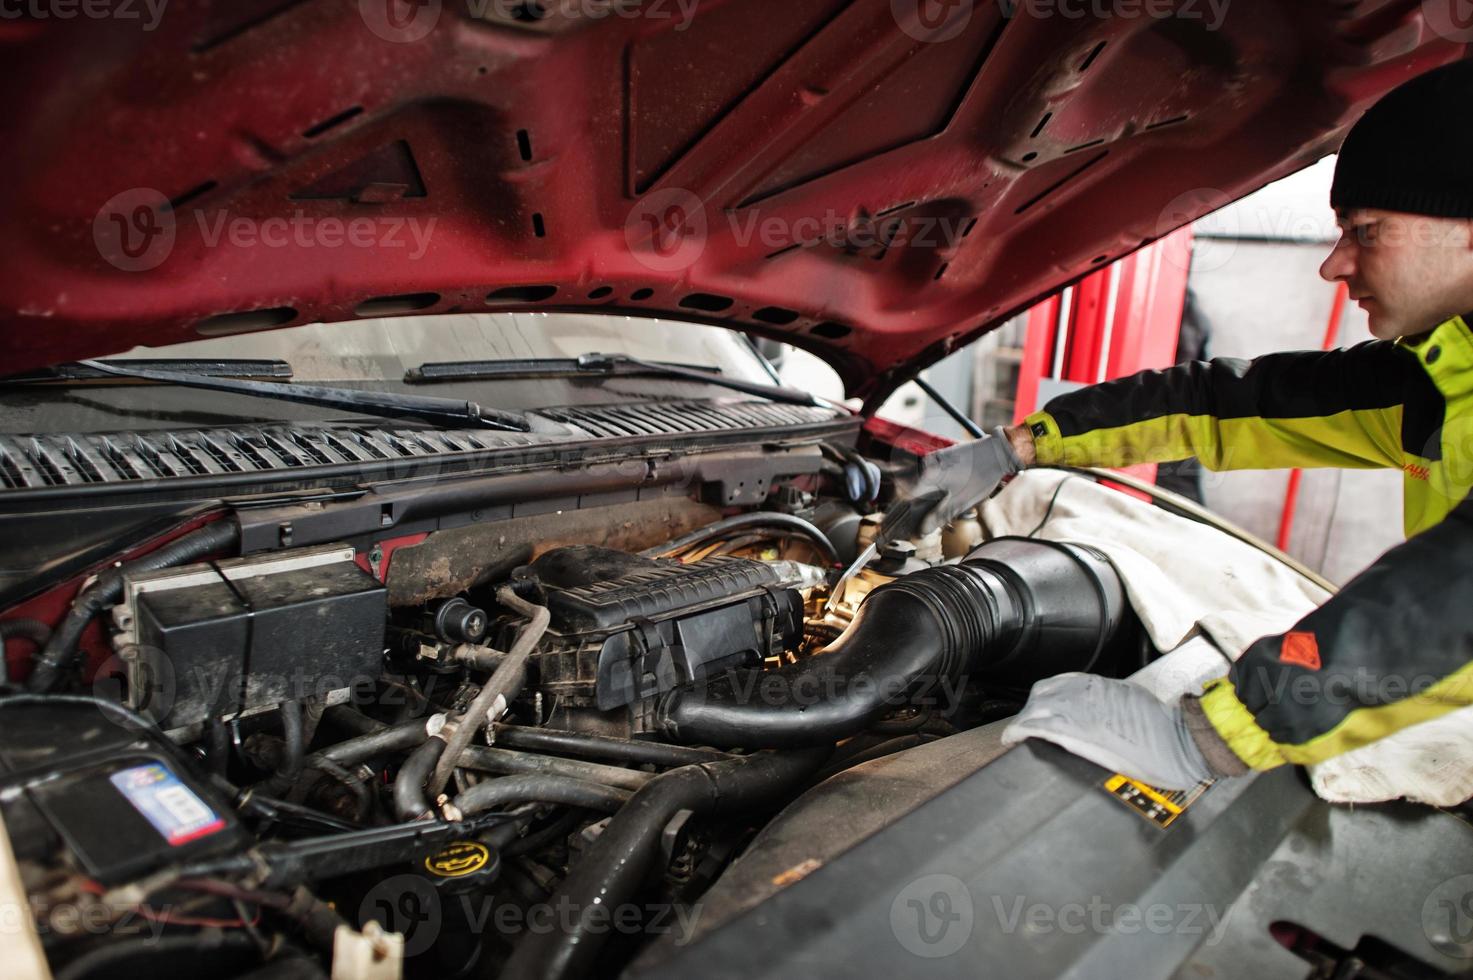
x: 1340, y: 264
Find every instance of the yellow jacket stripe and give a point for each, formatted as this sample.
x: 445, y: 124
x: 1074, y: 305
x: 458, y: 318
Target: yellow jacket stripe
x: 1395, y: 646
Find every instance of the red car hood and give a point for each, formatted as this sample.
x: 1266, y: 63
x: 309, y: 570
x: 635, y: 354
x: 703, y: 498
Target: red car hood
x: 878, y: 181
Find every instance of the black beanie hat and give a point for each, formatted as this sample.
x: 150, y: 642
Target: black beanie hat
x: 1413, y: 150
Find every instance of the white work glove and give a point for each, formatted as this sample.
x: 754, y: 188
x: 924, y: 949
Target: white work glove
x: 1116, y: 724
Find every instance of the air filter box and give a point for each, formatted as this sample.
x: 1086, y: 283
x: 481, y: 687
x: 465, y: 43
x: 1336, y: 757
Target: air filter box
x: 624, y: 628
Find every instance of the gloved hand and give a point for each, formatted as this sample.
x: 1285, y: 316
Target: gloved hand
x: 1118, y: 725
x: 962, y: 476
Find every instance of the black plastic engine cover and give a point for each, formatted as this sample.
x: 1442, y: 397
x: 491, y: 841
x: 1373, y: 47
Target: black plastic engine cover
x: 625, y: 628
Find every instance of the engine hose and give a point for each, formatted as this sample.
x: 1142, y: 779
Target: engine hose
x: 762, y: 518
x: 21, y: 629
x: 294, y: 749
x: 504, y: 685
x: 505, y: 790
x: 58, y: 657
x: 508, y: 762
x: 602, y: 746
x: 1015, y: 611
x: 410, y: 802
x: 617, y: 863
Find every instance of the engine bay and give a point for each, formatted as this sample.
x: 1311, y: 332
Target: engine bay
x: 520, y: 737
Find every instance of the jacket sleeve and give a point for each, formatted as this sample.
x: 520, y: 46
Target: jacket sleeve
x: 1339, y: 408
x: 1391, y: 649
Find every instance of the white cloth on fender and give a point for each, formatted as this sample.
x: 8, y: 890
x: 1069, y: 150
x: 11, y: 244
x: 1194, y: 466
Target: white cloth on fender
x: 1182, y: 576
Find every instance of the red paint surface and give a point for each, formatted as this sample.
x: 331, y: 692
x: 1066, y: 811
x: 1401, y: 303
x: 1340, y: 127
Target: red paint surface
x: 819, y: 118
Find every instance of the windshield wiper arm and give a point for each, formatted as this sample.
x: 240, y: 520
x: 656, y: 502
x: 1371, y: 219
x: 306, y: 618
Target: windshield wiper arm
x: 602, y: 364
x: 213, y: 367
x: 777, y: 393
x: 389, y: 404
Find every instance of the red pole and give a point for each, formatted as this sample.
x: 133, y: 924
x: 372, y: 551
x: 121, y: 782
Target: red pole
x: 1291, y: 495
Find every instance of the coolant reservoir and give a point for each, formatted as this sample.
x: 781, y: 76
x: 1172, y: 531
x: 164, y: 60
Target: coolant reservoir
x: 962, y: 535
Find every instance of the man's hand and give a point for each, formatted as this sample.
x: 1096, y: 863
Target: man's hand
x: 959, y: 478
x: 1022, y: 443
x: 1116, y: 724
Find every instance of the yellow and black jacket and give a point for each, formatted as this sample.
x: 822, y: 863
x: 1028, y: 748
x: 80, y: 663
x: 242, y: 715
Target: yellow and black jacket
x: 1395, y: 646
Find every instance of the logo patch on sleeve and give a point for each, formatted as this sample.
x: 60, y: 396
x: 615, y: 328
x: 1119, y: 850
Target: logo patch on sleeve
x: 1300, y: 649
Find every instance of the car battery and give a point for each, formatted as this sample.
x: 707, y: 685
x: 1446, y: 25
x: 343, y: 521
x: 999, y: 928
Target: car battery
x: 221, y: 639
x: 87, y: 792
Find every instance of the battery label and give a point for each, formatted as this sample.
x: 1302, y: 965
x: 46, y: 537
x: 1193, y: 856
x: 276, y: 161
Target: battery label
x: 1160, y: 806
x: 173, y: 808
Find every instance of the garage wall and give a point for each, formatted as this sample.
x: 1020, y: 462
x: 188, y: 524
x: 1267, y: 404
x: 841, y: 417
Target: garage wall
x: 1255, y: 273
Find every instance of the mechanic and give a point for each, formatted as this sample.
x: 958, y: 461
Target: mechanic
x: 1395, y: 646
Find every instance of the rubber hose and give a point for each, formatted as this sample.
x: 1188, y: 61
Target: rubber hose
x: 410, y: 802
x: 60, y: 653
x: 21, y: 629
x: 602, y: 746
x: 1015, y: 611
x: 620, y: 859
x: 761, y: 518
x: 293, y: 752
x: 541, y: 788
x: 506, y: 761
x: 505, y: 684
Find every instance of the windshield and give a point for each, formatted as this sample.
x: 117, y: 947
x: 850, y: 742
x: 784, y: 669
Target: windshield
x: 382, y: 350
x: 376, y: 354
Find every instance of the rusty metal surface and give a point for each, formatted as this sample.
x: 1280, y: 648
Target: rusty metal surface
x: 450, y: 561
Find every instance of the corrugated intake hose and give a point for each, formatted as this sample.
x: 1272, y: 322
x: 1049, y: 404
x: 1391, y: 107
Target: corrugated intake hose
x: 619, y: 860
x: 1016, y: 610
x: 59, y: 656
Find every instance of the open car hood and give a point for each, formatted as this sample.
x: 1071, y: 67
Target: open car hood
x: 878, y: 181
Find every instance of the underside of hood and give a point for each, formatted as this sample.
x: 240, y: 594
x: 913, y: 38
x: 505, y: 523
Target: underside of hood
x: 878, y: 181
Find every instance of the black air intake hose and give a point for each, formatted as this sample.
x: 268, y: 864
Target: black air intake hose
x: 60, y: 653
x: 1015, y: 611
x: 619, y: 861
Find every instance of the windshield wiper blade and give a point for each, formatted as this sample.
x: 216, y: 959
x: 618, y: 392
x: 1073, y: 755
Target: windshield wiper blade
x: 777, y: 393
x: 533, y: 367
x: 212, y: 367
x: 388, y: 404
x: 606, y: 365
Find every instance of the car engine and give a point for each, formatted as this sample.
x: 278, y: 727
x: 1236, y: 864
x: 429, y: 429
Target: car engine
x: 276, y: 742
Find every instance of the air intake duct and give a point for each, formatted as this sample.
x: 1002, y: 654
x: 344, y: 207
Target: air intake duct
x: 1015, y: 611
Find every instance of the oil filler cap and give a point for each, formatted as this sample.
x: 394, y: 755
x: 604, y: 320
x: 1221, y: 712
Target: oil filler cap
x: 463, y: 862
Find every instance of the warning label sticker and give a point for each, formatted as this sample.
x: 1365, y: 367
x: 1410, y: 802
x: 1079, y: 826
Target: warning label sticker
x: 1160, y: 806
x: 173, y: 808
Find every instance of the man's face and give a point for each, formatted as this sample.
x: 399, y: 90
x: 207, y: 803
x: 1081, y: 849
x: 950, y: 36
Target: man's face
x: 1408, y: 272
